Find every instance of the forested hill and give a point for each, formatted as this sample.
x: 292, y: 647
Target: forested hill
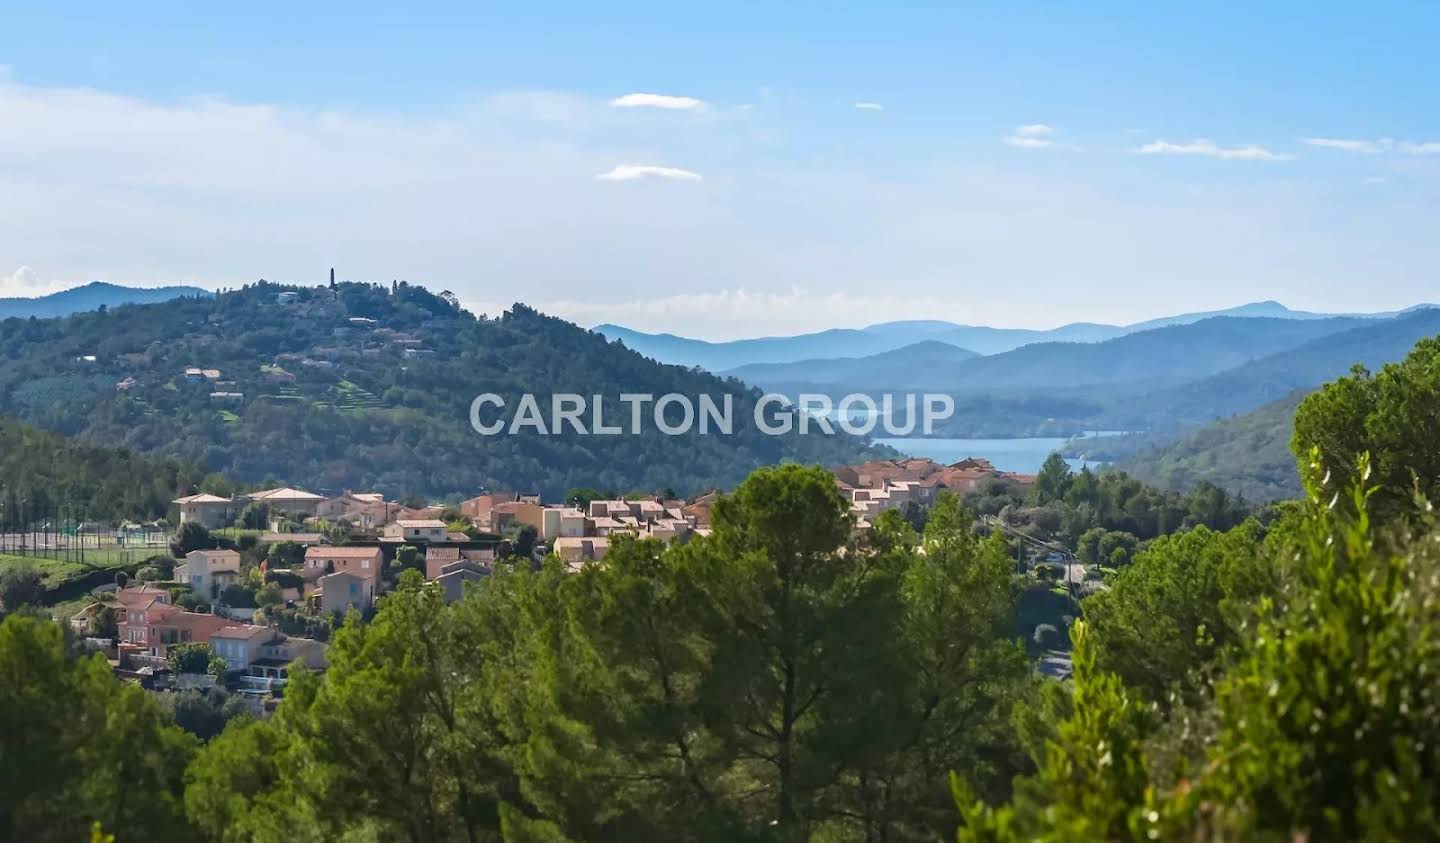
x: 1248, y: 454
x: 44, y: 475
x: 366, y: 386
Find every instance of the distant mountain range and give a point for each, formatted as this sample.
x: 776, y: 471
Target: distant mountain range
x: 1304, y: 366
x: 889, y: 336
x: 888, y: 369
x: 91, y: 297
x: 1148, y: 359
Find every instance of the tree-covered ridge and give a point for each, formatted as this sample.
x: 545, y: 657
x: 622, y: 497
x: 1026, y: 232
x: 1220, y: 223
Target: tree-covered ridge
x: 368, y: 386
x: 1248, y: 454
x: 52, y: 474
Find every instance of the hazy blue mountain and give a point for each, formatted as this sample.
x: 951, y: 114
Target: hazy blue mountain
x: 1306, y: 366
x: 91, y: 297
x: 1171, y: 354
x: 887, y: 336
x: 888, y: 367
x: 723, y: 356
x: 1144, y: 361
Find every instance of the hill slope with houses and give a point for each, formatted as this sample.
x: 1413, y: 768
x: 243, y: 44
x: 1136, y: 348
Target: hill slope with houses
x: 368, y: 386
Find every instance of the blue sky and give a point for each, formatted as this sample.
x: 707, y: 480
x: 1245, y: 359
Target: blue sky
x: 1019, y: 164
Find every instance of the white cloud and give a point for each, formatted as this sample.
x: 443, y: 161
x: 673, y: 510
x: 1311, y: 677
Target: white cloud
x: 1420, y: 148
x: 632, y: 172
x: 1376, y: 147
x: 1209, y: 149
x: 1366, y: 147
x: 25, y: 282
x: 664, y: 101
x: 1375, y: 180
x: 869, y: 106
x: 22, y: 277
x: 1035, y: 136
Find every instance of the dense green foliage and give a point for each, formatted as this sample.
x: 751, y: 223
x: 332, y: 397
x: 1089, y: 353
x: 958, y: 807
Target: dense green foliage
x: 54, y: 475
x: 1064, y: 505
x: 1393, y: 415
x: 76, y: 746
x: 1247, y: 455
x: 336, y: 403
x: 1305, y: 706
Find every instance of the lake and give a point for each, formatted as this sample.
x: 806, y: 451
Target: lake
x: 1023, y: 456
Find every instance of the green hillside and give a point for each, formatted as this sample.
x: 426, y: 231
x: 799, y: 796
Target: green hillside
x: 1247, y: 454
x: 45, y: 476
x: 368, y: 386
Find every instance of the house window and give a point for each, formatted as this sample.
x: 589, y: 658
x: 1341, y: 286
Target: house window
x: 364, y: 563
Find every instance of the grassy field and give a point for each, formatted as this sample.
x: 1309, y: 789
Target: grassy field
x: 58, y: 572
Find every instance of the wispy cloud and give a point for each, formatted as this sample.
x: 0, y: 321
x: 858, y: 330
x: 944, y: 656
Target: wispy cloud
x: 1035, y: 136
x: 1420, y: 148
x: 1365, y: 147
x: 665, y: 101
x: 1375, y: 147
x: 1031, y: 136
x: 633, y: 172
x: 1207, y: 148
x: 869, y: 106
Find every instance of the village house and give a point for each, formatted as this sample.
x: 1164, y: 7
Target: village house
x: 562, y: 521
x: 160, y: 626
x: 366, y: 510
x: 478, y: 508
x: 416, y: 530
x: 135, y: 597
x: 362, y: 561
x: 510, y: 513
x: 209, y: 571
x: 209, y: 511
x: 296, y: 502
x: 453, y: 582
x: 439, y: 559
x: 879, y: 485
x: 575, y: 552
x: 240, y: 645
x: 345, y: 589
